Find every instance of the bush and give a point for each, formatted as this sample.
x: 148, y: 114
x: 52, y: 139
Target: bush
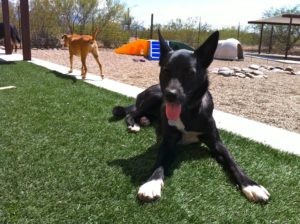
x: 114, y: 36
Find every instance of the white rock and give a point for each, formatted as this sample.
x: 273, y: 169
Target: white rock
x: 236, y: 69
x: 276, y: 70
x: 226, y: 72
x: 246, y: 70
x: 224, y: 69
x: 214, y: 70
x: 254, y: 66
x: 257, y: 73
x: 240, y: 75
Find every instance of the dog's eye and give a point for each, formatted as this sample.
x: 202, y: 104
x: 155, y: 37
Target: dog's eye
x: 165, y: 70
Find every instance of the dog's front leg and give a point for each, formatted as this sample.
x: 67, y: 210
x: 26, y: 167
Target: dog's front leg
x: 71, y: 63
x: 151, y: 190
x: 252, y: 190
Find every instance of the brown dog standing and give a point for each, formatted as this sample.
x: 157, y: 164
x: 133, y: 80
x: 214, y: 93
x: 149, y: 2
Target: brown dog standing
x: 81, y: 45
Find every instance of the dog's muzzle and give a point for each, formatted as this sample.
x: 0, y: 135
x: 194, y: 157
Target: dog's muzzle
x: 174, y: 97
x: 174, y: 92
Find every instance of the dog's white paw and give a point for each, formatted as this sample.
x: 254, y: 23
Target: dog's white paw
x: 134, y: 128
x: 151, y: 190
x: 256, y: 193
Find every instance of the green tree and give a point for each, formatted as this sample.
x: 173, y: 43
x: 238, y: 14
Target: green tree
x: 44, y: 23
x: 85, y: 11
x: 65, y: 10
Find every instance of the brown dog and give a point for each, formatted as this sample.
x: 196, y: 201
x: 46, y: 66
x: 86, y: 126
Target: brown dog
x: 81, y: 45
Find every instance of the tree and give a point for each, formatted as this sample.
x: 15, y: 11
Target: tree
x: 111, y: 12
x: 65, y: 10
x: 85, y: 11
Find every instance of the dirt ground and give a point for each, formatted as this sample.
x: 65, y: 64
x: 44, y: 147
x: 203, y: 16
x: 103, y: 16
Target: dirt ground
x: 274, y: 100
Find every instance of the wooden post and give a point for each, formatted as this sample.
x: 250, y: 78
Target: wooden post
x: 260, y: 40
x: 238, y: 32
x: 7, y: 39
x: 288, y: 38
x: 199, y: 31
x: 25, y: 30
x: 151, y: 27
x: 271, y: 39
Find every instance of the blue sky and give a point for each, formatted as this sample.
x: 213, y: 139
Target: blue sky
x: 216, y: 13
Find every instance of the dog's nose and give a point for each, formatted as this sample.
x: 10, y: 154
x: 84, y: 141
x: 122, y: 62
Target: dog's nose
x: 171, y: 95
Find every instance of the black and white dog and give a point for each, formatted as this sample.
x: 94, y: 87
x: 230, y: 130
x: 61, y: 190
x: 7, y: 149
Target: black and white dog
x: 182, y: 107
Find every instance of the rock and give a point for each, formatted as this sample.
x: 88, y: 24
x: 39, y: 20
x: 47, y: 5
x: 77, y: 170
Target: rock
x: 237, y: 69
x: 278, y: 67
x: 264, y: 66
x: 296, y: 73
x: 289, y: 69
x: 277, y: 70
x: 224, y: 69
x: 254, y: 66
x: 257, y: 73
x: 214, y: 71
x: 259, y: 76
x: 263, y: 69
x: 240, y: 75
x: 249, y: 75
x: 226, y: 72
x: 245, y: 70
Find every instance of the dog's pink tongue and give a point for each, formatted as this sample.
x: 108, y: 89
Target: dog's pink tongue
x: 173, y: 111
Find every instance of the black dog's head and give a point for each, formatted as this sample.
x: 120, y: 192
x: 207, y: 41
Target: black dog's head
x: 183, y: 75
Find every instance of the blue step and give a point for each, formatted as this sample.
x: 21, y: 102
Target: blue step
x: 154, y: 51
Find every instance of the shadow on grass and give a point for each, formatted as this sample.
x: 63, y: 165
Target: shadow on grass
x: 64, y: 76
x: 2, y: 62
x: 140, y: 167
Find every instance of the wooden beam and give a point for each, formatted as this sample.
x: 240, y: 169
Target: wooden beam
x: 7, y: 39
x: 288, y: 38
x: 151, y: 27
x: 260, y: 39
x: 25, y: 30
x: 271, y: 39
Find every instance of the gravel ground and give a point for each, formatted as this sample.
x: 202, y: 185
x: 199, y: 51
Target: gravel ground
x: 274, y: 100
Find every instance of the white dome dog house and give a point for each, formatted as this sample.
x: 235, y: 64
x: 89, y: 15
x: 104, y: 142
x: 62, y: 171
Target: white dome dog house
x: 230, y: 49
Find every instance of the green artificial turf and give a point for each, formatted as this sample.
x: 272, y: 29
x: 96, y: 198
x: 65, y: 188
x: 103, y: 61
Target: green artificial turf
x: 64, y: 159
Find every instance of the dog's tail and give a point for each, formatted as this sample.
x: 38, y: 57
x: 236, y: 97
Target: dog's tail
x: 95, y: 34
x: 121, y: 112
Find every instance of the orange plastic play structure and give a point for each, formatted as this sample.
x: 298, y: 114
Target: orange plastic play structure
x: 137, y: 47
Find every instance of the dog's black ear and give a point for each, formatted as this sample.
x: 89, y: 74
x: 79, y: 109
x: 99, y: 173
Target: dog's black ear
x: 207, y: 50
x: 164, y: 48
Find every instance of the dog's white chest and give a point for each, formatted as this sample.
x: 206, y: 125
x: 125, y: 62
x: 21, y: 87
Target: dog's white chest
x: 188, y: 137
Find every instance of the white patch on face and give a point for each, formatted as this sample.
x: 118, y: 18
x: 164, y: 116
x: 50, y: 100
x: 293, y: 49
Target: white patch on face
x: 151, y: 190
x: 188, y: 137
x: 256, y: 193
